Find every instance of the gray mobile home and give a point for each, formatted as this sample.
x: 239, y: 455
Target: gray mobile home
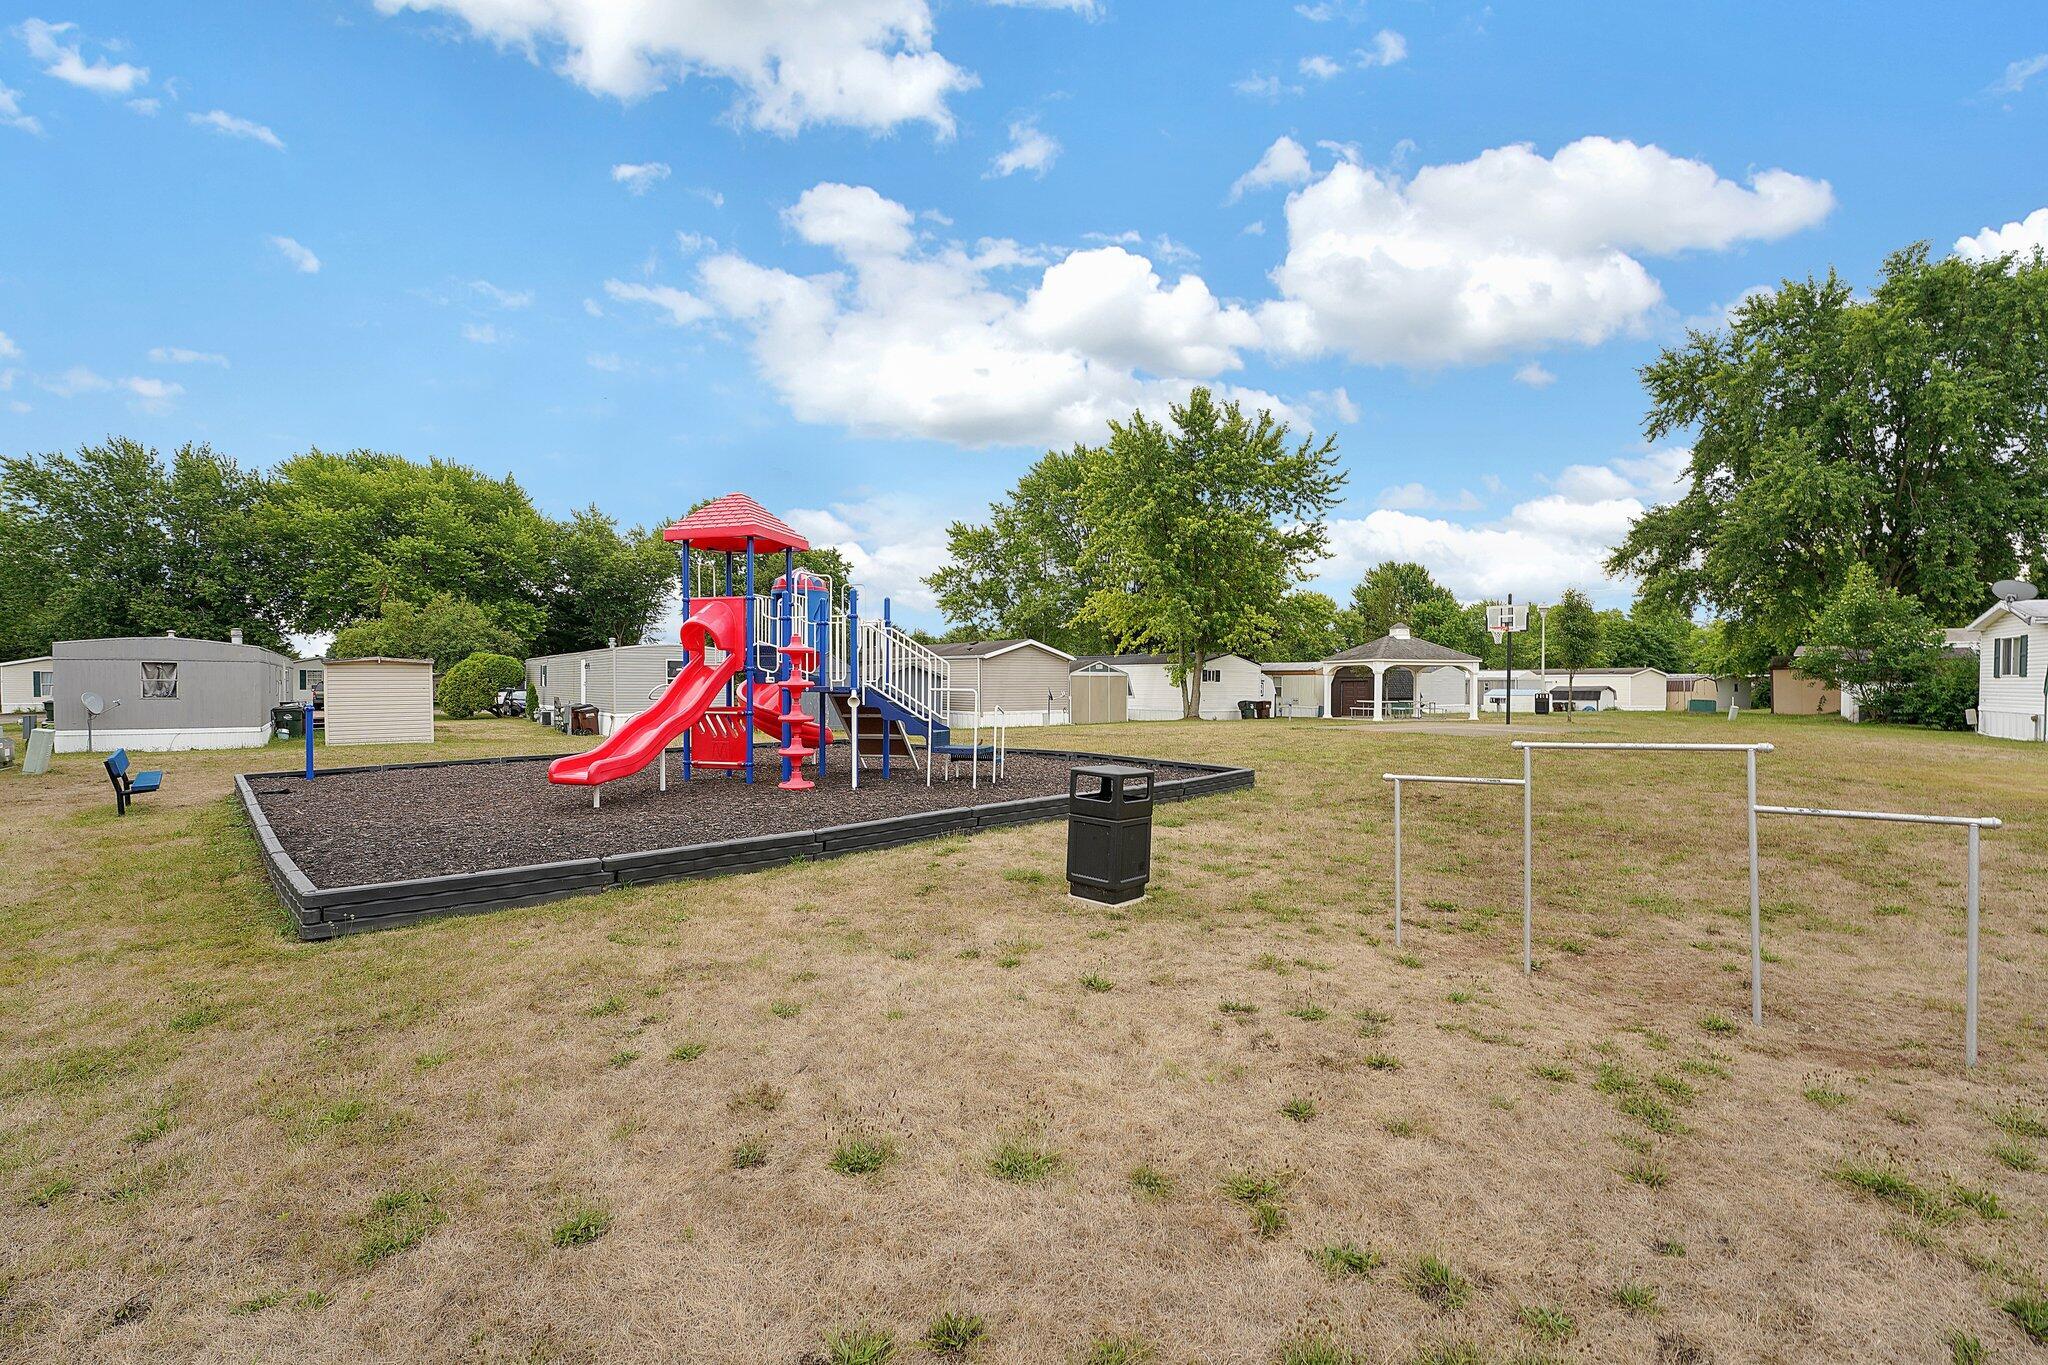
x: 619, y: 682
x: 165, y: 692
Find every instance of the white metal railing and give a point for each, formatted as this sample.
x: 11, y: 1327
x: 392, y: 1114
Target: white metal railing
x: 904, y: 671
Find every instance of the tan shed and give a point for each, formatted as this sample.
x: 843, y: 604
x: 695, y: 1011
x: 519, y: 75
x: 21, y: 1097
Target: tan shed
x: 1101, y: 694
x: 380, y: 701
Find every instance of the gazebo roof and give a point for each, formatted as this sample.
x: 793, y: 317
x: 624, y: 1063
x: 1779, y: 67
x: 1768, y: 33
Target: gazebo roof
x: 728, y: 523
x: 1401, y: 649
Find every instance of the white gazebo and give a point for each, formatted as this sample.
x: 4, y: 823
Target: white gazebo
x: 1355, y: 682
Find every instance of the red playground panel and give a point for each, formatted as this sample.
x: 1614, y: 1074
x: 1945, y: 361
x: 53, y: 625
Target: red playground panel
x: 719, y: 740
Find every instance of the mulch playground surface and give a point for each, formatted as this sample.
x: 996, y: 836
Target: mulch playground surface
x: 348, y: 829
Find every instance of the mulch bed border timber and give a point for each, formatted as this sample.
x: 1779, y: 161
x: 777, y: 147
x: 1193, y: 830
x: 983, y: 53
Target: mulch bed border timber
x: 319, y: 913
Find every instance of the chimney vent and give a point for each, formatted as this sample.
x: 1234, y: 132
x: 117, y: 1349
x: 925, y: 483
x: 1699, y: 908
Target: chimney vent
x: 235, y: 636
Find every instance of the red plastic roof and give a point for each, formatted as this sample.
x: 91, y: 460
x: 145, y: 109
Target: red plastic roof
x: 727, y: 523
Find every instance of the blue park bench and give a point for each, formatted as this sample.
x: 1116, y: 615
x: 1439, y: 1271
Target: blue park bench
x: 127, y: 785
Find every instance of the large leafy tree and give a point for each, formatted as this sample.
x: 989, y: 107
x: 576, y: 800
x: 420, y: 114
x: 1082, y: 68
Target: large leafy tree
x: 1308, y: 625
x: 1195, y: 528
x: 1903, y: 431
x: 114, y: 540
x: 442, y: 628
x: 1395, y: 593
x: 1647, y: 637
x: 601, y: 583
x: 364, y: 528
x: 1020, y: 573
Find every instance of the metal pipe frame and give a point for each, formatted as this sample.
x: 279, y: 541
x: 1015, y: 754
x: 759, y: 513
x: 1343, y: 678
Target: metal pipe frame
x: 1398, y: 778
x: 1756, y: 918
x: 1976, y: 824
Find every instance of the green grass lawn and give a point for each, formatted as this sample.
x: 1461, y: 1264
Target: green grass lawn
x: 914, y: 1103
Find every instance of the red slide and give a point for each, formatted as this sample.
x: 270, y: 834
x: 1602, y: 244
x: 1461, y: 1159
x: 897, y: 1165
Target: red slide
x: 719, y: 621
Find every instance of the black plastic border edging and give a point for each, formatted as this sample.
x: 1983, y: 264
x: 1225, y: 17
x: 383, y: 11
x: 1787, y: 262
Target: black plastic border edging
x: 326, y: 912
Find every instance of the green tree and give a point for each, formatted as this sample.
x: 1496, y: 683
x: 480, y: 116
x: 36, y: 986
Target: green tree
x: 1903, y: 431
x: 1647, y: 638
x: 1197, y: 527
x: 114, y: 541
x: 363, y: 529
x: 1574, y: 630
x: 601, y: 584
x: 1871, y: 639
x: 1020, y: 573
x: 443, y: 628
x: 473, y: 684
x: 1394, y: 593
x: 1307, y: 627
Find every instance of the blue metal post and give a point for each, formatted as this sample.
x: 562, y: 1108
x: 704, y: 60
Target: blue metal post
x: 684, y: 554
x: 309, y: 741
x: 885, y: 674
x: 747, y: 671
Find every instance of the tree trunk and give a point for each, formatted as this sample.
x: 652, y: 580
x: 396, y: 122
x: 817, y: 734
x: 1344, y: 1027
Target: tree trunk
x: 1571, y: 695
x: 1191, y: 686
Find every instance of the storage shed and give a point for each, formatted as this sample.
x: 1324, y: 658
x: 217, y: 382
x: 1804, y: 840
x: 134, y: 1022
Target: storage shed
x: 1101, y: 694
x: 1026, y: 678
x: 380, y: 701
x: 166, y: 692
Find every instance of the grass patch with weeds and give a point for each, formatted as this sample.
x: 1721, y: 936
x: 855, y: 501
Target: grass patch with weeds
x: 1300, y: 1110
x: 1118, y: 1351
x: 2016, y: 1156
x: 1020, y: 1163
x: 1636, y: 1297
x: 1437, y: 1284
x: 954, y: 1333
x: 583, y: 1225
x: 2030, y: 1311
x: 859, y: 1155
x: 687, y: 1052
x: 1096, y: 982
x: 1887, y: 1182
x: 749, y: 1154
x: 1341, y: 1259
x: 1551, y: 1326
x: 1151, y: 1182
x: 859, y: 1346
x: 1826, y: 1097
x: 1316, y: 1351
x: 397, y: 1221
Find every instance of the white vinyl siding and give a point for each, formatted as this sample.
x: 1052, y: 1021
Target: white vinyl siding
x: 2012, y: 679
x: 586, y: 678
x: 380, y: 701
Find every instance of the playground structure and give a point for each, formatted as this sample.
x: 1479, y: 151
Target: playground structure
x: 755, y: 661
x: 1975, y: 825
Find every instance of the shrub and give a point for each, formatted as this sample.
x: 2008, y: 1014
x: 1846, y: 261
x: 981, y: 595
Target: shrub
x: 472, y: 685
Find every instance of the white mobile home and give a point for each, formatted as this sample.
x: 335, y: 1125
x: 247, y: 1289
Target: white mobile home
x: 1227, y: 681
x: 1602, y: 689
x: 27, y: 684
x: 2012, y: 670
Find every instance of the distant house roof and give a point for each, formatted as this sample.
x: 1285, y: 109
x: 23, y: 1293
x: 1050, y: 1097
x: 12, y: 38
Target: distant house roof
x: 369, y: 659
x: 2034, y: 613
x: 1119, y: 660
x: 1401, y: 649
x: 989, y: 649
x: 728, y: 523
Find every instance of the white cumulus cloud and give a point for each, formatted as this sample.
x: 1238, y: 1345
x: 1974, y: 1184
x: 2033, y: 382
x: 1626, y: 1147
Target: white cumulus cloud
x: 640, y: 176
x: 63, y: 60
x: 1388, y: 47
x: 927, y: 343
x: 1283, y: 163
x: 863, y: 63
x: 75, y: 381
x: 1535, y: 376
x: 302, y: 259
x: 154, y: 393
x: 2018, y: 73
x: 2024, y: 238
x: 504, y: 298
x: 1507, y: 251
x: 11, y: 115
x: 227, y: 125
x: 1320, y: 67
x: 1030, y: 150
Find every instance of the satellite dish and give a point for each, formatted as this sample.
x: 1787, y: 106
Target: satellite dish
x: 94, y: 703
x: 2015, y: 590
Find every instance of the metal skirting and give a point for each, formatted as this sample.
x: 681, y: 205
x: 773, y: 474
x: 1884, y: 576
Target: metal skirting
x: 328, y: 912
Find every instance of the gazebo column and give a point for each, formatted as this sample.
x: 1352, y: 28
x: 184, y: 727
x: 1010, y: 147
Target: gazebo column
x: 1379, y: 691
x: 1328, y: 673
x: 1472, y: 682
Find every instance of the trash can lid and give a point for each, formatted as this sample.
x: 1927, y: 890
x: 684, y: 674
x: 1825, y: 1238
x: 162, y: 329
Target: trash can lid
x: 1117, y: 770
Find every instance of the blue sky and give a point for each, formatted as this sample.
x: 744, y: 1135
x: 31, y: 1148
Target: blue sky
x: 867, y: 259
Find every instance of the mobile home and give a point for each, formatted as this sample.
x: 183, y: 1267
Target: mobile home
x: 1227, y: 681
x: 1025, y: 679
x: 166, y: 692
x: 2012, y: 670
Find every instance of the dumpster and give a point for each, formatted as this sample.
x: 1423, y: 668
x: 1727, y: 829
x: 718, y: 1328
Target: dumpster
x: 583, y: 720
x: 1109, y: 832
x: 289, y: 719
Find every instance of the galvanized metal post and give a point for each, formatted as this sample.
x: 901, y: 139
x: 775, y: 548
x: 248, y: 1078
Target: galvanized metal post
x: 309, y: 741
x: 1970, y: 969
x: 1528, y: 848
x: 1397, y: 862
x: 1756, y: 912
x: 888, y: 659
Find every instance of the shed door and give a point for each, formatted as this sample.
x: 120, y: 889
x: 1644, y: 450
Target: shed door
x: 1350, y: 688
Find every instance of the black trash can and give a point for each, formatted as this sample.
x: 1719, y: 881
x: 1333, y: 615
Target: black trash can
x: 290, y: 718
x: 1248, y: 710
x: 1109, y: 832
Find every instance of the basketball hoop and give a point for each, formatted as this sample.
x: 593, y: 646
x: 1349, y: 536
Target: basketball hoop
x: 1499, y: 633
